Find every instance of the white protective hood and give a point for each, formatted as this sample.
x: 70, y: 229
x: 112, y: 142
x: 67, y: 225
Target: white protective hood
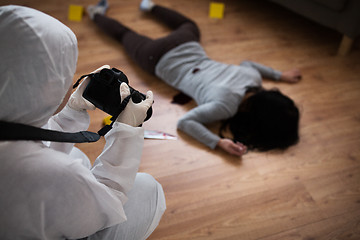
x: 38, y: 57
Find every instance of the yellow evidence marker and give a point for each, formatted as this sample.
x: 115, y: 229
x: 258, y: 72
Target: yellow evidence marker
x: 106, y: 120
x: 216, y: 10
x: 75, y: 13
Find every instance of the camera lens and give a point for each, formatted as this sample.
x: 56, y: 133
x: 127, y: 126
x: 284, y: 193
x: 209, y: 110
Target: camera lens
x: 120, y: 76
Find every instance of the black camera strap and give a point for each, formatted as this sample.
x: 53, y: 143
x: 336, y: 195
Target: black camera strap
x: 122, y: 106
x: 81, y: 78
x: 17, y: 131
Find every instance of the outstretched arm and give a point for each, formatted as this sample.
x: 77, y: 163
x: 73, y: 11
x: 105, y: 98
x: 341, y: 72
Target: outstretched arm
x: 193, y: 122
x: 290, y: 76
x: 265, y: 72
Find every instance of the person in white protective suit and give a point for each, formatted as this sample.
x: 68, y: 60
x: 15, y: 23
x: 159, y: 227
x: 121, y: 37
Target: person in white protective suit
x: 50, y: 191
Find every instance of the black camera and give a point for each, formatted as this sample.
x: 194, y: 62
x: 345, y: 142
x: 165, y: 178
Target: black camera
x: 103, y: 91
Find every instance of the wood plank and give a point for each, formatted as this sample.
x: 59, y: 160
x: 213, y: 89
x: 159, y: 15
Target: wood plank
x: 309, y: 191
x: 345, y: 226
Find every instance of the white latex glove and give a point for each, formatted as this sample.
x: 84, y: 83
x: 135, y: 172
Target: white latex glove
x: 77, y: 101
x: 134, y: 114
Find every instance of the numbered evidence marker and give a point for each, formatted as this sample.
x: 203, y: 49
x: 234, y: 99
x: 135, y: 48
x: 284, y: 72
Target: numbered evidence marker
x: 216, y: 10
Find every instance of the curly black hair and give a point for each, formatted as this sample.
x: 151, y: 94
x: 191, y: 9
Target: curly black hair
x: 266, y: 120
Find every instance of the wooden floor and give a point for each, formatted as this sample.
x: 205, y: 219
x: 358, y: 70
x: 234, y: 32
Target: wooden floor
x: 310, y: 191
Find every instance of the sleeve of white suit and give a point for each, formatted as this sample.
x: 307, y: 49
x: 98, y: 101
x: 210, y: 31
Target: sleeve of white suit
x: 119, y: 162
x: 95, y: 200
x: 67, y: 120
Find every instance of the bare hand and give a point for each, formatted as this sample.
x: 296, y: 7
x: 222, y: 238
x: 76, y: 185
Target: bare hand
x: 229, y: 146
x: 291, y: 76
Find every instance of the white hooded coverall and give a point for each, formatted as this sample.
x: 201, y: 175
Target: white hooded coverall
x: 47, y: 192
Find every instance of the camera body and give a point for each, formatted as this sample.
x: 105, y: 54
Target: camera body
x: 103, y: 91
